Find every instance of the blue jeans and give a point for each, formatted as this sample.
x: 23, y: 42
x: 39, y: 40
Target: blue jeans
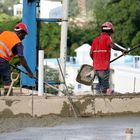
x: 5, y: 72
x: 103, y: 80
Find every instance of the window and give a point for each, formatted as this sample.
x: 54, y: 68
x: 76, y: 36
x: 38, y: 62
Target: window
x: 115, y: 54
x: 79, y: 86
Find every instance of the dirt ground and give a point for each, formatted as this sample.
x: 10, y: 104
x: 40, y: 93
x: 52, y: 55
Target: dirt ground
x: 18, y: 123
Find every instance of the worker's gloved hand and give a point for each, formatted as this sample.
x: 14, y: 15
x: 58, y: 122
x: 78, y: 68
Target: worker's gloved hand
x: 30, y: 74
x: 90, y: 74
x: 124, y: 52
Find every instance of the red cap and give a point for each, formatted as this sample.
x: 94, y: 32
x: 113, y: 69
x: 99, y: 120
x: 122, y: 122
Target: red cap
x: 21, y: 26
x: 107, y: 26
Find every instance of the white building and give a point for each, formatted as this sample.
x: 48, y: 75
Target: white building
x: 17, y: 9
x: 48, y: 9
x: 82, y: 55
x: 125, y: 77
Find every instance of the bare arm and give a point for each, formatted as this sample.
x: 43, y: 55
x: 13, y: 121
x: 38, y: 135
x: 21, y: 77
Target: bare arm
x: 23, y: 62
x: 91, y: 54
x: 117, y: 48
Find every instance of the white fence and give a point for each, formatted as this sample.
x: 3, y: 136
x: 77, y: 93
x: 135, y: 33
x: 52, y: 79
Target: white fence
x: 125, y: 80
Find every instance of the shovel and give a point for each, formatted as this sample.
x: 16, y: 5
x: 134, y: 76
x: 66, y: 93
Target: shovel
x: 86, y: 77
x: 14, y: 77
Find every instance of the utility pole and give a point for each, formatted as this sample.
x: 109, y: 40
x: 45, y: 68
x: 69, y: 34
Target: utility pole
x: 63, y: 43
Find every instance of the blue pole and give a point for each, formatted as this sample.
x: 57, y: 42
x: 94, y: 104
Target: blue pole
x: 29, y: 18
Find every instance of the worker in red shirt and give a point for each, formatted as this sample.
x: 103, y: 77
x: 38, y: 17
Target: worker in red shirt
x: 100, y: 54
x: 11, y: 46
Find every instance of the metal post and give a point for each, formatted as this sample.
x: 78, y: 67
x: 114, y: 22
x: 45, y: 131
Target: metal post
x: 129, y: 132
x: 134, y: 88
x: 63, y: 43
x: 37, y: 36
x: 41, y: 73
x: 29, y: 18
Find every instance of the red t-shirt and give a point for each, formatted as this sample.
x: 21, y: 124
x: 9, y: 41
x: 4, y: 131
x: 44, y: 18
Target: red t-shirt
x: 101, y: 52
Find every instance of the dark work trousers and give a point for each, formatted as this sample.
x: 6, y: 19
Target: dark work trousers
x: 103, y: 80
x: 5, y: 73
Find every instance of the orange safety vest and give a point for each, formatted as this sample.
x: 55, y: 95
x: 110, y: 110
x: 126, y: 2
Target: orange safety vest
x: 8, y: 40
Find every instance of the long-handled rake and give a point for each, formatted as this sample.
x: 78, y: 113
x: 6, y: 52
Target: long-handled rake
x: 137, y: 46
x: 67, y: 92
x: 64, y: 92
x: 86, y: 74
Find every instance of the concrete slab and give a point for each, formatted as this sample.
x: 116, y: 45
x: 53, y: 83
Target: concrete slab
x: 84, y: 105
x: 96, y: 128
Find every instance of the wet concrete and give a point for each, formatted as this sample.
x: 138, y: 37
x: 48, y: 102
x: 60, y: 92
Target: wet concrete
x: 52, y: 118
x: 84, y: 106
x: 100, y: 128
x: 17, y: 123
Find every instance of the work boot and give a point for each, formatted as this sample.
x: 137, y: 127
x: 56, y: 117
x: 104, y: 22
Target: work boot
x: 109, y: 91
x: 6, y: 91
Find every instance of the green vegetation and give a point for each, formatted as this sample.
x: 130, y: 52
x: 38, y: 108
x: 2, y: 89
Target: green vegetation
x: 50, y: 39
x: 125, y: 16
x: 123, y: 13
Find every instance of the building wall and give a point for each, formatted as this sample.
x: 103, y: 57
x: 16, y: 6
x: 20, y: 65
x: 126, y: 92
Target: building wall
x: 71, y: 74
x: 126, y: 79
x: 125, y: 74
x: 18, y: 10
x: 48, y: 9
x: 82, y: 55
